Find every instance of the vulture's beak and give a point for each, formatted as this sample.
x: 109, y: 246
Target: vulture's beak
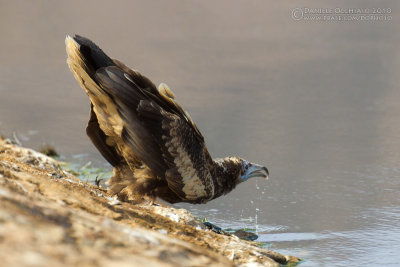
x: 257, y: 171
x: 251, y: 170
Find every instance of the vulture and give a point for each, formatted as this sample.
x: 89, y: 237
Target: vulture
x: 155, y: 148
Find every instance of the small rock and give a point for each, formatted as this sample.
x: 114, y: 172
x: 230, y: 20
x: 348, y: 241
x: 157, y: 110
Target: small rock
x: 163, y: 231
x: 15, y: 167
x: 245, y: 235
x: 213, y: 227
x: 113, y: 201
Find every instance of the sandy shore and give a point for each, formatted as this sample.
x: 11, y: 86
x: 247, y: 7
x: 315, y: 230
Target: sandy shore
x: 48, y: 217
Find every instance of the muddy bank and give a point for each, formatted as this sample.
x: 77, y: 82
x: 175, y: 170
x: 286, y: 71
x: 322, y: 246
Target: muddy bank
x: 48, y: 217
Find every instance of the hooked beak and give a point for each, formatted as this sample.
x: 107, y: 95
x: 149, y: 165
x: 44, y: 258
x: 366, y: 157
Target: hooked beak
x: 257, y: 171
x: 254, y: 170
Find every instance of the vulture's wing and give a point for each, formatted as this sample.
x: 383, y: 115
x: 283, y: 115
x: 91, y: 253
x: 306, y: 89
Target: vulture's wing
x: 105, y: 125
x: 160, y: 132
x: 99, y: 139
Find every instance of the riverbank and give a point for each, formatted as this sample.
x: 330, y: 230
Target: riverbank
x: 48, y: 217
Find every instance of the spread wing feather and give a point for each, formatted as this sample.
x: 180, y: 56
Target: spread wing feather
x: 105, y: 125
x: 99, y: 139
x: 160, y: 132
x: 127, y: 97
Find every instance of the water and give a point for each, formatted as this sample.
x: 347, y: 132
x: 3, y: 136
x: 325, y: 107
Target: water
x: 315, y: 101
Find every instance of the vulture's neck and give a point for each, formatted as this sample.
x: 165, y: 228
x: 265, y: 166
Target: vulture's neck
x: 227, y: 175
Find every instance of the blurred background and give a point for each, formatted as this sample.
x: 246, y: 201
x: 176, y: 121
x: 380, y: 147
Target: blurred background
x: 313, y: 96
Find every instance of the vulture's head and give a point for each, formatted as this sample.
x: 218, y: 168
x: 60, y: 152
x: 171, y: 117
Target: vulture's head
x: 250, y: 170
x: 235, y: 170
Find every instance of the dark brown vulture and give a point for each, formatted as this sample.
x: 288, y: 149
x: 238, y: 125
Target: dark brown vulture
x: 152, y: 143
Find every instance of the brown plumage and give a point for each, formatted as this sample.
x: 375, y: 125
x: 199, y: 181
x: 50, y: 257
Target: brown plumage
x: 152, y: 143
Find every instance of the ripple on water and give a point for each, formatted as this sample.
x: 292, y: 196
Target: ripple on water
x: 374, y: 245
x: 291, y: 237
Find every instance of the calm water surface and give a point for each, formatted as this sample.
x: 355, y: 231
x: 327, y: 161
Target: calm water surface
x: 315, y: 101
